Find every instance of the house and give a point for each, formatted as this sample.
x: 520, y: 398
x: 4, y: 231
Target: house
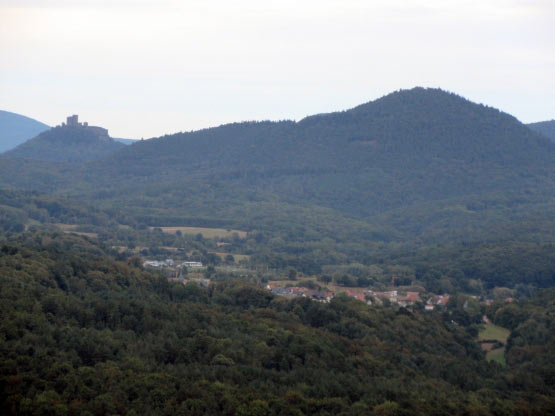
x: 443, y: 300
x: 323, y: 296
x: 356, y: 295
x: 391, y: 295
x: 409, y: 299
x: 440, y: 300
x: 295, y: 291
x: 413, y: 296
x: 284, y: 291
x: 152, y: 263
x: 156, y: 263
x: 192, y: 264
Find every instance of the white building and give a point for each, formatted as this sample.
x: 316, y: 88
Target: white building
x: 191, y: 264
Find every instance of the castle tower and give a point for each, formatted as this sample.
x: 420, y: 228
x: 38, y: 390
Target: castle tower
x: 73, y: 121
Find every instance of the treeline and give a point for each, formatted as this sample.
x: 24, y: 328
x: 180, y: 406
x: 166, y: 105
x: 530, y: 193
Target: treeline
x: 525, y: 261
x: 21, y: 208
x: 479, y: 267
x: 85, y: 333
x: 531, y: 345
x: 66, y: 144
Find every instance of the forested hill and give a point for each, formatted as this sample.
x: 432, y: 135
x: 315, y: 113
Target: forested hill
x: 419, y: 152
x: 83, y: 333
x: 415, y: 145
x: 547, y: 128
x: 413, y: 126
x: 16, y: 129
x: 67, y: 144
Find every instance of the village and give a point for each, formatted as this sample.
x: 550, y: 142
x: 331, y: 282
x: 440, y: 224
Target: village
x: 178, y: 269
x: 192, y: 272
x: 172, y: 263
x: 368, y: 296
x: 179, y: 272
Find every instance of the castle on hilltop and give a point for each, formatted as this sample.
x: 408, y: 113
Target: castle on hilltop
x: 73, y: 121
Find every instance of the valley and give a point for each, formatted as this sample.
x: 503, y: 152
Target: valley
x: 394, y: 258
x: 277, y: 208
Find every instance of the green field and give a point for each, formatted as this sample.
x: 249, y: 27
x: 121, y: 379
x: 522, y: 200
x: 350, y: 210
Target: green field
x: 66, y: 227
x: 498, y: 355
x: 90, y: 235
x: 497, y: 333
x: 70, y: 228
x: 206, y: 232
x: 237, y: 257
x: 494, y: 332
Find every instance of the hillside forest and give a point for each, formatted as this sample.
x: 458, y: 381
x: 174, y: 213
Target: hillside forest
x: 397, y: 258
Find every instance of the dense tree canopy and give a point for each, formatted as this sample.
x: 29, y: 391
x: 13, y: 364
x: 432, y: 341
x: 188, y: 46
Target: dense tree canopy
x: 83, y: 332
x: 420, y: 189
x: 66, y: 144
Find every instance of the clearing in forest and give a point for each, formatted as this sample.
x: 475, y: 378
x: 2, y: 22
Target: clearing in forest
x: 237, y: 257
x: 206, y: 232
x: 494, y: 332
x: 70, y: 229
x: 491, y: 332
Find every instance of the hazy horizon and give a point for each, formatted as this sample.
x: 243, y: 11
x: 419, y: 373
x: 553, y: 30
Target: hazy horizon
x: 146, y: 68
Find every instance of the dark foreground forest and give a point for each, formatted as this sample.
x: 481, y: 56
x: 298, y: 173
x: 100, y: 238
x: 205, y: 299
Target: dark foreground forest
x: 84, y: 332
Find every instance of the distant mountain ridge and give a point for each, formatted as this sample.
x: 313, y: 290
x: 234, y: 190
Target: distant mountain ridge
x: 125, y: 141
x: 545, y: 128
x: 15, y: 129
x: 409, y: 145
x: 414, y: 153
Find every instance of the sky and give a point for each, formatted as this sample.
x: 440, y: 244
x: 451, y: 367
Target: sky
x: 145, y: 68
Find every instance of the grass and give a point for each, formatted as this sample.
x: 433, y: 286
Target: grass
x: 237, y: 257
x: 494, y: 332
x: 206, y: 232
x: 66, y: 227
x: 70, y: 229
x: 498, y: 355
x: 90, y: 235
x: 497, y: 333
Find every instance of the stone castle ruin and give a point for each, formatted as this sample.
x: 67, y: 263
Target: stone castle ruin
x: 73, y: 121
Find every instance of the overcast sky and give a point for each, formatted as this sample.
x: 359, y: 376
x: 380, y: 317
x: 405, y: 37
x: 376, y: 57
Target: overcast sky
x: 144, y: 68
